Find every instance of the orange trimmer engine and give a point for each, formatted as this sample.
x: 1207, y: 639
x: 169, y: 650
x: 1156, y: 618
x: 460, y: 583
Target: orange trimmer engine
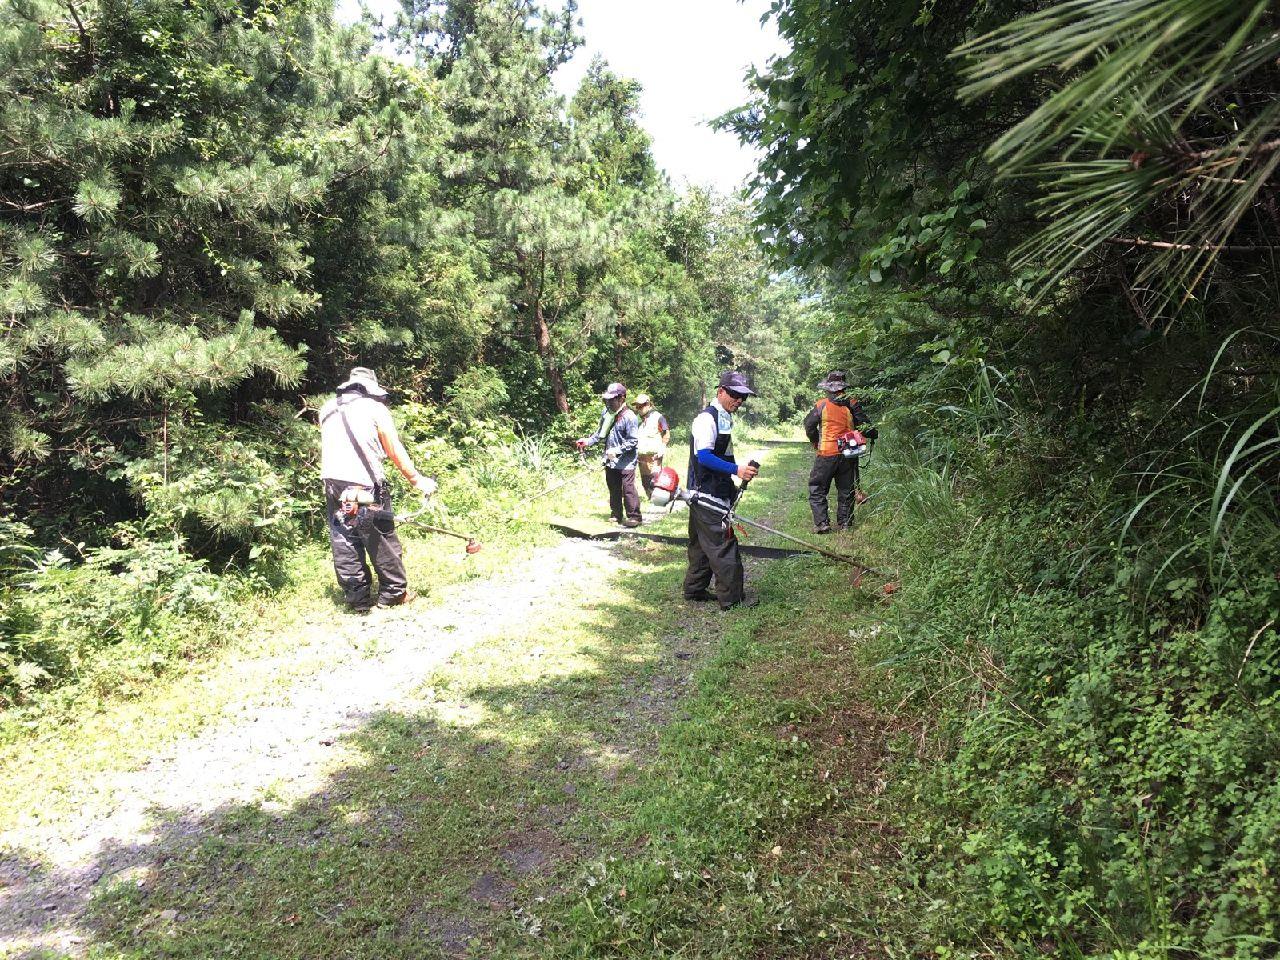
x: 665, y: 485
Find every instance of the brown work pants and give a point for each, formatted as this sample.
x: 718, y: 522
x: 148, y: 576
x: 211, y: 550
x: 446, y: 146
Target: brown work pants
x: 650, y: 464
x: 713, y: 551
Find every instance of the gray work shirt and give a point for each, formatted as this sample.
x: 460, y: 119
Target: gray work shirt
x: 623, y: 436
x: 368, y: 419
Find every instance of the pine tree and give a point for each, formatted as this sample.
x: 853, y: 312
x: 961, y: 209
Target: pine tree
x: 513, y: 156
x: 182, y: 189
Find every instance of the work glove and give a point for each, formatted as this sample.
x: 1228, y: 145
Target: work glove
x: 872, y: 433
x: 425, y: 486
x: 611, y: 456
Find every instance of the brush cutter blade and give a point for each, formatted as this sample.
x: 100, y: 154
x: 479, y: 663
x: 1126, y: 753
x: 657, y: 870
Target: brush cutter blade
x: 473, y: 546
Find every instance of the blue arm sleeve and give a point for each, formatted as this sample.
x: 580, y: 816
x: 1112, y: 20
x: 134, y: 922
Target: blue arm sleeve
x: 709, y: 460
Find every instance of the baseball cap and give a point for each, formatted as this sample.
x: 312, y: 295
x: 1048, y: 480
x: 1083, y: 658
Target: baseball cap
x: 735, y: 382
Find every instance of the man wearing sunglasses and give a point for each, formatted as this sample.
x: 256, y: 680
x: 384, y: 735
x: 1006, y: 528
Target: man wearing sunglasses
x: 713, y: 549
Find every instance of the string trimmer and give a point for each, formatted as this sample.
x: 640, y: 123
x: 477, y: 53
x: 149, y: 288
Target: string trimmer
x: 473, y: 545
x: 572, y: 478
x: 666, y: 489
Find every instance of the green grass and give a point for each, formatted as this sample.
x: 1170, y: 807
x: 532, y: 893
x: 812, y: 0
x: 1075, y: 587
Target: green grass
x: 759, y: 830
x: 619, y: 774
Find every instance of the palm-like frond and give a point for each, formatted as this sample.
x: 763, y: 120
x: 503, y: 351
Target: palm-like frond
x: 1164, y: 127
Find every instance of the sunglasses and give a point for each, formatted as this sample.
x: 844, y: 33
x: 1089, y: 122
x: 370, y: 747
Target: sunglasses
x: 736, y: 396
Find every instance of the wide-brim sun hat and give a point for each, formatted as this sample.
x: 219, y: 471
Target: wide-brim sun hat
x: 834, y: 383
x: 613, y: 390
x: 363, y: 378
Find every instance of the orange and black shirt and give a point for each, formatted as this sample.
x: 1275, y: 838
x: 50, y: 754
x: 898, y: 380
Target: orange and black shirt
x: 829, y: 419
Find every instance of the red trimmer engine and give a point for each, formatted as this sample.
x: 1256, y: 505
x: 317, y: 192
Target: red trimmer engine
x: 852, y: 444
x: 665, y: 485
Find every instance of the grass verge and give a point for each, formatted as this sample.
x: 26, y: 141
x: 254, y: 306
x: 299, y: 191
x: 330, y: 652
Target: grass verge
x: 762, y: 829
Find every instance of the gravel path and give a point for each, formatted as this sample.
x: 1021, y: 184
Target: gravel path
x: 285, y: 747
x: 285, y: 740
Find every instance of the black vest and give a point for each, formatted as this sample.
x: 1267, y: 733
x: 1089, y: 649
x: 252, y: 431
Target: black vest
x: 706, y: 481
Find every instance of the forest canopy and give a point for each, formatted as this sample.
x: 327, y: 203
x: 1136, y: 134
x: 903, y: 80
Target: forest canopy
x: 210, y: 211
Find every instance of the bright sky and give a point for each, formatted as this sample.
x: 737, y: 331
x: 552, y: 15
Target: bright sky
x: 690, y: 56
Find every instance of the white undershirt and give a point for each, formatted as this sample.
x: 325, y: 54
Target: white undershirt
x: 705, y: 429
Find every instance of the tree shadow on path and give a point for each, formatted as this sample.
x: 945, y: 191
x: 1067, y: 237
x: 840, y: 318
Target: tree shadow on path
x: 461, y: 810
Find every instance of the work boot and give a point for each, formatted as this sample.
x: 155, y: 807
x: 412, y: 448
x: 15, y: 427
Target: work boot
x: 825, y: 528
x: 400, y: 601
x: 702, y: 596
x: 748, y: 600
x: 631, y: 523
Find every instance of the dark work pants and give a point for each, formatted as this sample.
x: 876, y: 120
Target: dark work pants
x: 844, y: 471
x: 351, y: 546
x: 713, y: 551
x: 622, y: 491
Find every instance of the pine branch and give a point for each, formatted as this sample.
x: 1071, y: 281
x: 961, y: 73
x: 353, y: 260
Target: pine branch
x: 86, y: 42
x: 356, y: 171
x: 24, y: 207
x: 1243, y: 152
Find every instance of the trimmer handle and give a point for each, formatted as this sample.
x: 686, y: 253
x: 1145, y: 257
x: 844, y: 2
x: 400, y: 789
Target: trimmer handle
x: 743, y: 489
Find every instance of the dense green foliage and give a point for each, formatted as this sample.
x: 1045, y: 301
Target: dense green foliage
x: 209, y: 211
x: 1050, y: 251
x: 1040, y: 236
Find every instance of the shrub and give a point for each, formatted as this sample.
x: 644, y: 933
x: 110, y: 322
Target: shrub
x: 1105, y: 733
x: 231, y: 494
x: 118, y: 615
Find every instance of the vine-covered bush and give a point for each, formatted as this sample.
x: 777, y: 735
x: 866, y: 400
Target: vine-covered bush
x: 1103, y: 769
